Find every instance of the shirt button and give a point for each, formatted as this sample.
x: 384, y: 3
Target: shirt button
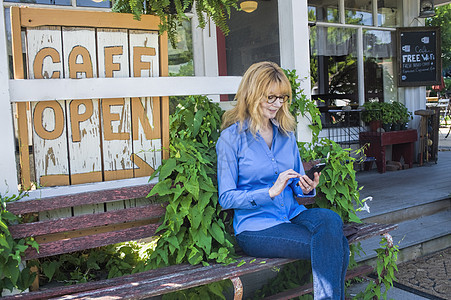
x: 272, y: 159
x: 285, y: 218
x: 281, y: 204
x: 276, y: 172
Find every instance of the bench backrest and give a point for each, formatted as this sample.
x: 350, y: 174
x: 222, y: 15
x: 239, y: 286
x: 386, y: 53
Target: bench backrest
x: 92, y: 219
x: 106, y: 224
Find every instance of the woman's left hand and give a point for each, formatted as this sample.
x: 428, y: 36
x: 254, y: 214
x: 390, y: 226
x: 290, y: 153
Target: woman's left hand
x: 306, y: 184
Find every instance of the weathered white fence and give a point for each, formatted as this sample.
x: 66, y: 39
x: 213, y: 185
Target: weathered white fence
x: 27, y: 90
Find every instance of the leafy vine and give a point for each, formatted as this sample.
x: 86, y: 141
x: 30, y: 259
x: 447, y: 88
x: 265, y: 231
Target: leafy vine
x: 172, y: 12
x: 387, y: 255
x: 192, y: 230
x: 11, y: 250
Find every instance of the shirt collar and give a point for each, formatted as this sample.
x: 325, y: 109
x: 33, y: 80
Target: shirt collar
x: 273, y: 121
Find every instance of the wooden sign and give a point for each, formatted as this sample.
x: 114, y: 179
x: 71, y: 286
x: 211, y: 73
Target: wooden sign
x: 90, y: 140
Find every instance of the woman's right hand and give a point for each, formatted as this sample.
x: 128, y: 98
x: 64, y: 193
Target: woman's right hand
x: 282, y: 182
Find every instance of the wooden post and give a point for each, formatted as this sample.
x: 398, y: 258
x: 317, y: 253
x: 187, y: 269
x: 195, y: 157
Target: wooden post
x: 8, y: 180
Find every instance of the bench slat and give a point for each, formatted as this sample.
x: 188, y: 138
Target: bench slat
x: 86, y: 221
x: 91, y: 241
x: 103, y: 196
x: 368, y: 230
x: 94, y: 285
x: 308, y: 288
x: 173, y: 278
x: 149, y: 287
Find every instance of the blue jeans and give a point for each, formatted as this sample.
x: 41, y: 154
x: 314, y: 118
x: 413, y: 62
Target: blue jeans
x: 315, y: 234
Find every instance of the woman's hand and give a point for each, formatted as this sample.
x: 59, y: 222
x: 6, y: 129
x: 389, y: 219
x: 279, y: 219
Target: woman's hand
x: 306, y: 184
x: 282, y: 181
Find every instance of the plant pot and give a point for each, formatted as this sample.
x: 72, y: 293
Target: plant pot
x: 395, y: 127
x: 375, y: 124
x: 386, y: 126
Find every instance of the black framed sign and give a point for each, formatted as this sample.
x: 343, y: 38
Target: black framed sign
x: 419, y: 56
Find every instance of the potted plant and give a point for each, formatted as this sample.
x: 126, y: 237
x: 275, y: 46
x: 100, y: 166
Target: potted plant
x: 387, y: 115
x: 372, y: 115
x: 401, y: 116
x: 172, y: 12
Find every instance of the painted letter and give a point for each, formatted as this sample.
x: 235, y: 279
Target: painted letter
x: 110, y: 66
x: 38, y: 120
x: 76, y: 118
x: 39, y: 61
x: 84, y: 67
x: 138, y: 64
x: 140, y: 116
x: 109, y: 117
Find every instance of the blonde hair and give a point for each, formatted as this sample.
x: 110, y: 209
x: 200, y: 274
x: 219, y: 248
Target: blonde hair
x: 253, y: 89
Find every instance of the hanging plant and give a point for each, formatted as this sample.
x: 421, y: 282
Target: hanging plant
x: 172, y: 12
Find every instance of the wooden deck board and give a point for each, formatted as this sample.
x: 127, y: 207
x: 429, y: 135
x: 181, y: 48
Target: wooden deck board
x: 397, y: 190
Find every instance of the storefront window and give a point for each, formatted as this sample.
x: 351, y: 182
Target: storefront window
x: 358, y: 12
x: 323, y: 11
x: 253, y: 37
x: 388, y: 13
x: 379, y: 60
x: 333, y: 70
x: 181, y: 57
x: 334, y: 66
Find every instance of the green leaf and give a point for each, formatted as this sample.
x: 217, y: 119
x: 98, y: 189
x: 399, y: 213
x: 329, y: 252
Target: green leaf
x: 195, y: 217
x: 11, y: 271
x: 242, y: 262
x: 4, y: 242
x: 198, y: 118
x: 4, y: 227
x: 173, y: 241
x: 181, y: 254
x: 167, y: 167
x: 194, y: 256
x: 204, y: 199
x: 201, y: 239
x: 25, y: 279
x: 216, y: 232
x: 207, y: 186
x: 49, y: 269
x: 164, y: 255
x: 193, y: 187
x: 216, y: 289
x: 161, y: 188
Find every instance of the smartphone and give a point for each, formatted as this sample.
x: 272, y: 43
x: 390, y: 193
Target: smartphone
x: 316, y: 168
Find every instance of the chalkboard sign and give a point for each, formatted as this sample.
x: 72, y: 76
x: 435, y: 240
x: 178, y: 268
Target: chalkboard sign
x: 419, y: 56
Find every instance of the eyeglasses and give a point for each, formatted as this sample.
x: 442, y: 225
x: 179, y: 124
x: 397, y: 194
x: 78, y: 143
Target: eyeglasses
x: 282, y: 98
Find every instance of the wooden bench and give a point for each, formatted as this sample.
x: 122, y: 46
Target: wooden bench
x: 124, y: 223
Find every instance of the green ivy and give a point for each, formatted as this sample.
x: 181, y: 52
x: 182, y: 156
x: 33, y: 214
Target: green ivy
x: 11, y: 250
x: 338, y: 189
x: 301, y: 105
x: 192, y: 230
x: 292, y: 275
x: 94, y: 264
x: 172, y: 12
x: 386, y: 267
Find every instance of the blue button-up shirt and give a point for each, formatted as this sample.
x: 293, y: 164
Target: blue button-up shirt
x: 247, y: 168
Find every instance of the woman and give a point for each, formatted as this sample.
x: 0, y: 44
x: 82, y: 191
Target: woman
x: 260, y: 171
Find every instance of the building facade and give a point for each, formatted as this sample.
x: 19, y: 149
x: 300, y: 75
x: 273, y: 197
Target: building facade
x: 343, y: 51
